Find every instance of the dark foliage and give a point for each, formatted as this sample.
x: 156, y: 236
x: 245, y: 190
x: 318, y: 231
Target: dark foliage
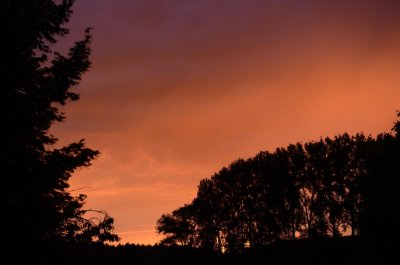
x: 345, y: 186
x: 35, y: 81
x: 326, y: 251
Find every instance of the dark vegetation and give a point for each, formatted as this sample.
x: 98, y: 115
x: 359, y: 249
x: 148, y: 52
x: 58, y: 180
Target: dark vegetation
x: 327, y: 251
x: 332, y: 201
x: 317, y: 189
x: 37, y: 208
x: 343, y: 190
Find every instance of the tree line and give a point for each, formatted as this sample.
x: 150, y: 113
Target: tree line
x: 328, y: 188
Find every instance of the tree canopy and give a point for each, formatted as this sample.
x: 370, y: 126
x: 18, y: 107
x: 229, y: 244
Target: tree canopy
x: 36, y: 81
x: 333, y: 187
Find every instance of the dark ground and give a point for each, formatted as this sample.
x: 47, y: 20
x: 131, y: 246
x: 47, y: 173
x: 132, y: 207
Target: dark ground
x: 323, y: 251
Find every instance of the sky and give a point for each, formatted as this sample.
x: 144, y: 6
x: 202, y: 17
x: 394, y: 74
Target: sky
x: 179, y: 89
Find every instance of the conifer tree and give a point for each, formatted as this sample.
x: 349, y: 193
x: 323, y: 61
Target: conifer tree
x: 36, y: 81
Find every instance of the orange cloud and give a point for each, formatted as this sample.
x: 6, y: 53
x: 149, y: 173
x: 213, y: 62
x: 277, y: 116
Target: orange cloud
x: 179, y: 89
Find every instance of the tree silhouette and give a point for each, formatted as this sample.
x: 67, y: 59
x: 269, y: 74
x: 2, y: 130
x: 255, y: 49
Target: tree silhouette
x: 179, y: 227
x: 36, y: 80
x: 315, y: 190
x: 209, y: 215
x: 381, y: 216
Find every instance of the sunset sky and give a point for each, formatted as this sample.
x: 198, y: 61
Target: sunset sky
x: 179, y: 89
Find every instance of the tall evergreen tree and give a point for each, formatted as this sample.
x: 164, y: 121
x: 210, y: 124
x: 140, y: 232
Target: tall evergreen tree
x: 35, y: 81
